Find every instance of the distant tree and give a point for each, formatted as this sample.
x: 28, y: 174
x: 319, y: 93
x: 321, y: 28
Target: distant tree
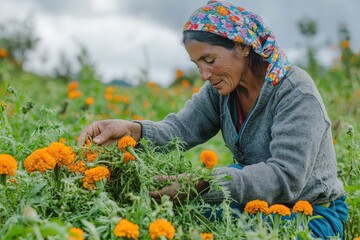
x: 18, y: 38
x: 64, y: 70
x: 308, y: 29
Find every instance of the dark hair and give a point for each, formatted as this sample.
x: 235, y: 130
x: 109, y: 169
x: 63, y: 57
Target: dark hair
x: 255, y: 60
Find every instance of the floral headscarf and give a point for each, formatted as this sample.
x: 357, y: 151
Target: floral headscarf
x: 240, y: 25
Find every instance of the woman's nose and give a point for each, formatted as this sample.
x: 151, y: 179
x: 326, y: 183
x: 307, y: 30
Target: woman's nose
x: 205, y: 74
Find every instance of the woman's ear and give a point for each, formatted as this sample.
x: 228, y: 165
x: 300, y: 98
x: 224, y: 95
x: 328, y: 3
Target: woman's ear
x: 243, y: 49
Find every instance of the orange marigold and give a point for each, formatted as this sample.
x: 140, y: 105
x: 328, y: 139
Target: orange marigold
x: 303, y: 207
x: 207, y: 236
x: 89, y: 101
x: 93, y: 175
x: 209, y: 158
x: 255, y: 206
x: 125, y: 142
x: 63, y: 154
x: 79, y: 166
x: 357, y: 238
x: 3, y: 53
x: 40, y: 160
x: 75, y: 234
x: 127, y: 229
x: 279, y: 209
x: 74, y: 94
x: 8, y: 165
x: 161, y: 228
x: 72, y: 86
x: 128, y: 157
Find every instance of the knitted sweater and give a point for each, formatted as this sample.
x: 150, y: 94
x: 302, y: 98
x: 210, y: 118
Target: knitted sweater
x: 285, y: 143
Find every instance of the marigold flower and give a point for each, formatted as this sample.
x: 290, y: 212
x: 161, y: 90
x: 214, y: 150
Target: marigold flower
x: 79, y: 166
x: 303, y: 207
x: 72, y: 86
x: 279, y: 209
x: 151, y: 84
x: 3, y: 53
x: 185, y: 83
x: 357, y: 238
x: 125, y: 142
x: 127, y: 229
x: 74, y: 94
x: 179, y: 73
x: 40, y: 160
x: 345, y: 44
x: 62, y: 140
x: 255, y: 206
x: 93, y: 175
x: 75, y: 234
x: 207, y: 236
x: 209, y: 158
x: 161, y: 228
x: 128, y: 157
x: 8, y: 165
x: 63, y: 154
x: 89, y: 101
x: 109, y: 89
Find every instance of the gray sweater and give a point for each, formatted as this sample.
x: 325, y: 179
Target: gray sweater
x: 285, y: 143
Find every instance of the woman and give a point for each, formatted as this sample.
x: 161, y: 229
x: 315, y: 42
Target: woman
x: 270, y: 113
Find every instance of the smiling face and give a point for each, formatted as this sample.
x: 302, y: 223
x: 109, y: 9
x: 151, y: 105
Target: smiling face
x: 223, y: 68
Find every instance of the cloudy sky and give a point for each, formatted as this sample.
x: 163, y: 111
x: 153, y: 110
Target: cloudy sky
x: 124, y: 36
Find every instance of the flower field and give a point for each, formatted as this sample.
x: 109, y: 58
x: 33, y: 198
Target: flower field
x: 50, y: 188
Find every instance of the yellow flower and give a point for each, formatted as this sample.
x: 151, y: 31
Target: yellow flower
x: 209, y: 158
x: 75, y: 234
x: 63, y: 154
x: 207, y: 236
x: 161, y: 228
x: 125, y: 142
x: 93, y: 175
x: 79, y: 166
x: 8, y: 165
x: 255, y: 206
x: 279, y: 209
x: 127, y: 229
x: 128, y: 157
x: 40, y: 160
x: 303, y: 207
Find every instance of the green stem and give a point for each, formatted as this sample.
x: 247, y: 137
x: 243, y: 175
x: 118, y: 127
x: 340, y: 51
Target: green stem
x: 57, y: 176
x: 3, y: 179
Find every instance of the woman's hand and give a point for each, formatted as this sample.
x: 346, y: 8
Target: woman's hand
x: 108, y: 131
x: 176, y: 190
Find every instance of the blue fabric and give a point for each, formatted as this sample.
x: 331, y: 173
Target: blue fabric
x: 331, y: 224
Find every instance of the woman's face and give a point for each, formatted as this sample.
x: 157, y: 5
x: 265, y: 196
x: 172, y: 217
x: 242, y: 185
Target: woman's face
x: 223, y: 68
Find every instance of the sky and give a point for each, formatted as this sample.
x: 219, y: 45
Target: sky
x: 125, y: 36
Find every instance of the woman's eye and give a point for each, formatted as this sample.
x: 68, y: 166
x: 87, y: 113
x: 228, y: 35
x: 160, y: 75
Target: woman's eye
x: 209, y: 60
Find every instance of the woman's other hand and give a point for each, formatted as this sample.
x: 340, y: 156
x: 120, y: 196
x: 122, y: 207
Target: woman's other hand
x: 180, y: 189
x: 109, y: 131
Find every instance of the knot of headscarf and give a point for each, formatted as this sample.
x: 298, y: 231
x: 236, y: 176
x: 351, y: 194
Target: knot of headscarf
x: 240, y: 25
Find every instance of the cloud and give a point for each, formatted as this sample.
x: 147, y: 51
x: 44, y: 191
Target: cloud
x: 126, y: 36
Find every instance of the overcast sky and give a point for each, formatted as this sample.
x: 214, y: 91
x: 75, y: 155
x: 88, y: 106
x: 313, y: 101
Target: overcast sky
x: 123, y: 36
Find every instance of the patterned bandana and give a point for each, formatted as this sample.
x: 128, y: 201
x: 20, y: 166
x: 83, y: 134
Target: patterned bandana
x: 240, y: 25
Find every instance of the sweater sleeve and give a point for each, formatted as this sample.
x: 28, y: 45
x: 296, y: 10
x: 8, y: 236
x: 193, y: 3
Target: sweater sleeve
x: 194, y: 124
x: 299, y: 127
